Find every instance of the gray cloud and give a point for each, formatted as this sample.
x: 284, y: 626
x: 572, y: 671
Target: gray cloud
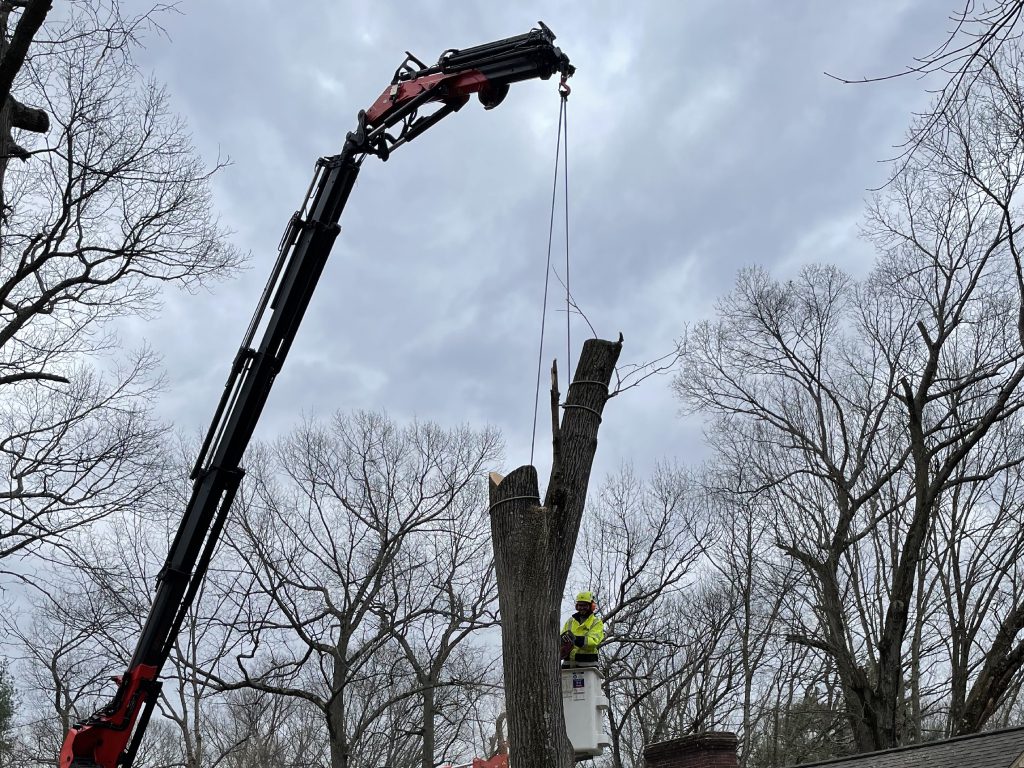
x: 703, y: 136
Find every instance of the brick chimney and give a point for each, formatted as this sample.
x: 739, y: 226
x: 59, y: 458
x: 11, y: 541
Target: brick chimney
x: 714, y: 749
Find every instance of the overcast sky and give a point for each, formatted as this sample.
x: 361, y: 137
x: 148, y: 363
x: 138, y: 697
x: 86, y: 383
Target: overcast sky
x: 703, y: 136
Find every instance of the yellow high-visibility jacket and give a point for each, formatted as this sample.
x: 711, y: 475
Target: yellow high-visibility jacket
x: 588, y: 635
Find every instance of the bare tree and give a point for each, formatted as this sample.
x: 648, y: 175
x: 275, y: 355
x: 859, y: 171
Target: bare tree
x: 13, y: 50
x: 642, y: 540
x: 443, y: 595
x: 680, y: 676
x: 114, y: 205
x: 979, y: 36
x: 253, y: 729
x: 87, y: 616
x: 330, y: 523
x: 978, y: 545
x: 803, y: 719
x: 862, y: 402
x: 761, y: 582
x: 54, y: 640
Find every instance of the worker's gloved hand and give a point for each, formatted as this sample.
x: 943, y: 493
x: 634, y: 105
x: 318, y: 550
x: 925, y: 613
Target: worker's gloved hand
x: 565, y: 647
x: 579, y: 640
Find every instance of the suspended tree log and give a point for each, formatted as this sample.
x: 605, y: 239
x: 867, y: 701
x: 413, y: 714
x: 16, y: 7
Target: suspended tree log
x: 533, y: 549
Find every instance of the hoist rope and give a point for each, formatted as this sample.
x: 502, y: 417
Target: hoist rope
x: 562, y: 127
x: 565, y: 197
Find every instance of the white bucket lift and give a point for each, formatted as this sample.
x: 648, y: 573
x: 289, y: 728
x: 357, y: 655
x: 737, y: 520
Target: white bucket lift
x: 585, y: 708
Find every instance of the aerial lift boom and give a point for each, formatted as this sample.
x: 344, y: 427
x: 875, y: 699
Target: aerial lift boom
x: 111, y: 736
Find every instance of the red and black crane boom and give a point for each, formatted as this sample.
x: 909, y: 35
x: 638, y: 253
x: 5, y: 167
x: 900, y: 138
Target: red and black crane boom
x: 111, y: 737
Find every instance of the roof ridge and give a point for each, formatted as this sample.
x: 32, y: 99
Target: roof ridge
x: 908, y: 747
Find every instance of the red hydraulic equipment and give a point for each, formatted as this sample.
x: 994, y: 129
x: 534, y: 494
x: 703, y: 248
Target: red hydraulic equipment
x: 111, y: 736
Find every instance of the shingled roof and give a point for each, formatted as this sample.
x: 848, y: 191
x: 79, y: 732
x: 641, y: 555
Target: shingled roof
x: 995, y: 749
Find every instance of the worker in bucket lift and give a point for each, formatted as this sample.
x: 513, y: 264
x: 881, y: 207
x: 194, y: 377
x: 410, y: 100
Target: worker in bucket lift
x: 582, y: 634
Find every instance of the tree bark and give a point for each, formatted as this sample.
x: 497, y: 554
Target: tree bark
x: 32, y: 17
x: 14, y: 114
x: 429, y: 729
x: 1001, y: 666
x: 533, y: 549
x: 336, y: 730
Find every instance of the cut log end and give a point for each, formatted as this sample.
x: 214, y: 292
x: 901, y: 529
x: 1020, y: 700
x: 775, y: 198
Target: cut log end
x: 494, y: 480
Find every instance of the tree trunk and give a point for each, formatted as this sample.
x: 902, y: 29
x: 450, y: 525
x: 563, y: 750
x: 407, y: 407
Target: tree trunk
x: 337, y: 734
x: 429, y: 729
x: 533, y: 549
x: 14, y: 114
x: 996, y: 677
x: 15, y: 47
